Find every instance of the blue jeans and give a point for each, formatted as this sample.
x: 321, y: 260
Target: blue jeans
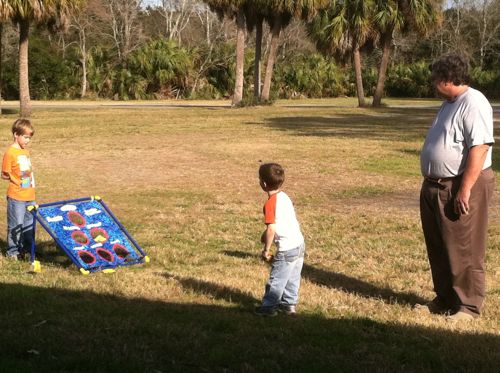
x: 284, y: 281
x: 19, y: 227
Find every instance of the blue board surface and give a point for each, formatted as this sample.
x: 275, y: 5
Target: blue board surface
x: 89, y: 234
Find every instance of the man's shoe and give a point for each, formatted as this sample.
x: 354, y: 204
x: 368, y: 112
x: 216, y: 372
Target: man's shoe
x: 288, y: 309
x: 460, y: 316
x: 265, y: 311
x: 434, y: 306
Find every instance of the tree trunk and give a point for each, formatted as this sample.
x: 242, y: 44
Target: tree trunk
x: 359, y: 78
x: 240, y: 58
x: 83, y: 51
x: 24, y: 88
x: 258, y: 58
x: 1, y: 65
x: 83, y: 92
x: 382, y: 70
x: 208, y: 26
x: 273, y: 50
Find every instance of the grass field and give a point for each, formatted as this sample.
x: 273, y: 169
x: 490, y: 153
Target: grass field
x: 183, y: 180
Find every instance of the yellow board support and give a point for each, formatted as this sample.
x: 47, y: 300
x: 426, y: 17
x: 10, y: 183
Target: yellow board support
x: 84, y: 271
x: 108, y: 270
x: 35, y: 267
x: 146, y: 259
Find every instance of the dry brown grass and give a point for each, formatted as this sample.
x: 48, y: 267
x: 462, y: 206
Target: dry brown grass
x: 184, y: 183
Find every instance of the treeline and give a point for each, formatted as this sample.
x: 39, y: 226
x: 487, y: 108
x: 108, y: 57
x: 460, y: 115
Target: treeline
x: 127, y: 49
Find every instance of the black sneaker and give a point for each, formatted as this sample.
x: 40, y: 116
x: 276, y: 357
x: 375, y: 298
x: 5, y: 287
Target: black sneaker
x: 265, y: 311
x: 435, y: 306
x: 288, y: 309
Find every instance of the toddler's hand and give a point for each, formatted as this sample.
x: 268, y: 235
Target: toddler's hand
x: 267, y: 256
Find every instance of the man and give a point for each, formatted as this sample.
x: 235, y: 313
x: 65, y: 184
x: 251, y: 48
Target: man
x: 457, y: 187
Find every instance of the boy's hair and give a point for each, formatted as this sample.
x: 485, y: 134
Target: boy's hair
x: 272, y: 174
x: 451, y: 67
x: 23, y: 126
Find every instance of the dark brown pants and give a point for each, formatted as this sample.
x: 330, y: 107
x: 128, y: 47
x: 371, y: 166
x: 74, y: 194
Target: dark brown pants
x: 456, y: 244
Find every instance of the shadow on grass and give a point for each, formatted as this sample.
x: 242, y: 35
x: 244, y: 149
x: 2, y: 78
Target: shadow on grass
x: 361, y: 288
x: 346, y: 283
x: 9, y: 111
x: 393, y: 124
x: 46, y: 251
x: 239, y: 254
x: 214, y: 291
x: 55, y: 330
x: 412, y: 152
x: 49, y: 252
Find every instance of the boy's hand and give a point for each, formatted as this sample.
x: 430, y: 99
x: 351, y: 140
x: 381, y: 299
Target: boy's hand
x: 267, y: 239
x: 266, y: 256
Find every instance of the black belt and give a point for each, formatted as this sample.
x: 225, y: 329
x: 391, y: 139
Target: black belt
x: 440, y: 179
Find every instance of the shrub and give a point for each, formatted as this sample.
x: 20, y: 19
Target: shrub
x: 50, y: 75
x: 160, y: 68
x: 100, y: 72
x: 219, y: 72
x: 409, y: 80
x: 487, y: 82
x: 308, y: 76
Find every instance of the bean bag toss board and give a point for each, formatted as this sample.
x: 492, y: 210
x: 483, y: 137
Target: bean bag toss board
x: 89, y: 234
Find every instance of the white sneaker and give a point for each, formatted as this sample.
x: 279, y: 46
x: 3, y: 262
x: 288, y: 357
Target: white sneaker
x: 460, y: 316
x: 288, y: 309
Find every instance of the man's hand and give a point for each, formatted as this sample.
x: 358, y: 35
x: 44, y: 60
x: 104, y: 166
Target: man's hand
x: 473, y: 167
x: 462, y: 202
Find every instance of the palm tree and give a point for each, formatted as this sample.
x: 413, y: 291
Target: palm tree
x: 400, y: 15
x: 278, y: 14
x: 5, y: 13
x: 276, y: 22
x: 259, y: 25
x: 51, y: 13
x: 255, y: 20
x: 1, y: 64
x: 234, y: 9
x: 341, y: 30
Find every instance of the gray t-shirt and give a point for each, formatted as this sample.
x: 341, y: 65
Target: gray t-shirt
x: 459, y: 125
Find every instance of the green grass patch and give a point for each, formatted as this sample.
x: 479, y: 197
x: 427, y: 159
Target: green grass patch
x: 184, y: 183
x: 362, y: 192
x: 396, y: 166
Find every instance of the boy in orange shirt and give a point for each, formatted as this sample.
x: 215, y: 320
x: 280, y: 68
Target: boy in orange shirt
x: 16, y: 168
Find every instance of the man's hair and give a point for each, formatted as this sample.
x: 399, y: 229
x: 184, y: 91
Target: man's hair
x: 272, y: 174
x: 451, y: 67
x: 23, y: 126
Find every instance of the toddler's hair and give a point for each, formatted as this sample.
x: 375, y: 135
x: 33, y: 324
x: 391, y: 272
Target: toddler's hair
x: 272, y: 174
x: 23, y: 126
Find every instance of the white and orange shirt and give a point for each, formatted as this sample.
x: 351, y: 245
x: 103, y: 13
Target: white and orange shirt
x: 279, y: 210
x: 17, y: 164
